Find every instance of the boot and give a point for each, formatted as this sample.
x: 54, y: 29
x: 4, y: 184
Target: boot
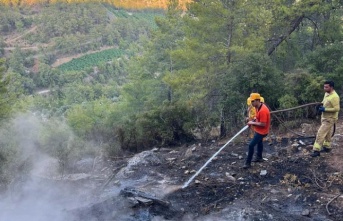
x: 326, y: 150
x: 315, y: 154
x: 257, y: 160
x: 246, y: 166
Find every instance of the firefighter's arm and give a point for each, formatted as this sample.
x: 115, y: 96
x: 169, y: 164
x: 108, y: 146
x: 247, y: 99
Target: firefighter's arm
x: 259, y: 124
x: 335, y: 103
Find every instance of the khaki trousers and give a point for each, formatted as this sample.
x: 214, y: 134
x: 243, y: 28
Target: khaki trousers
x: 324, y: 134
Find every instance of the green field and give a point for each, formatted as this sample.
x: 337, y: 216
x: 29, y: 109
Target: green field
x: 91, y: 60
x: 143, y: 15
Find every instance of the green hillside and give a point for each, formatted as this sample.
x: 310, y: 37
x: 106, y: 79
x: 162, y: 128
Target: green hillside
x: 170, y: 73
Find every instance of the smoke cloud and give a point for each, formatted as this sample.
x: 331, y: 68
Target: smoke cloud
x: 35, y: 190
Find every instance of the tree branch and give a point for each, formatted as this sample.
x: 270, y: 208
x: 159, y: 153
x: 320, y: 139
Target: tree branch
x: 327, y: 205
x: 295, y: 23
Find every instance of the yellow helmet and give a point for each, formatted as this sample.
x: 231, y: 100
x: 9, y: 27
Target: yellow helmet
x: 255, y: 96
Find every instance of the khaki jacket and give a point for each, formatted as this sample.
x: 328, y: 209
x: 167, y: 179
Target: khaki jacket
x: 331, y: 104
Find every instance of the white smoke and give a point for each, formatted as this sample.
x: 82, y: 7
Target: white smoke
x: 34, y: 193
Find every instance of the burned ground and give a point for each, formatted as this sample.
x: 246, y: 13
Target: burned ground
x: 295, y: 187
x: 288, y: 185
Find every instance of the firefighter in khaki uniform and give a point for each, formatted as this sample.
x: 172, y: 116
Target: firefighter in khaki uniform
x: 252, y: 115
x: 329, y: 117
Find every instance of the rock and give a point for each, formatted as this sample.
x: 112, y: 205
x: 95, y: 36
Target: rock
x: 234, y: 154
x: 230, y: 177
x: 305, y: 212
x: 186, y: 172
x: 194, y: 148
x: 139, y: 161
x: 240, y: 157
x: 132, y: 201
x: 174, y: 151
x: 297, y: 197
x: 145, y: 158
x: 188, y: 153
x: 142, y: 196
x: 302, y: 142
x: 144, y: 200
x: 116, y: 183
x: 295, y: 145
x: 273, y: 191
x: 197, y: 182
x: 263, y: 172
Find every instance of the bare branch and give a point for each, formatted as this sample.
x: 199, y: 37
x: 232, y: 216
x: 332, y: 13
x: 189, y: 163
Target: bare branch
x: 327, y: 205
x: 294, y: 24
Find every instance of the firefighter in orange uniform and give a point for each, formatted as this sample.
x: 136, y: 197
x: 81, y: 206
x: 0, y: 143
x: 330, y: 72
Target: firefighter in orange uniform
x: 252, y: 115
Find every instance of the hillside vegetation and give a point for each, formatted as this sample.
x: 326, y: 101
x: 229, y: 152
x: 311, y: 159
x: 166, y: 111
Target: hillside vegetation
x: 129, y: 4
x: 156, y: 83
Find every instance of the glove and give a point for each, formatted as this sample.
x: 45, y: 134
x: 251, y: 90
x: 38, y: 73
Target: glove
x: 321, y: 109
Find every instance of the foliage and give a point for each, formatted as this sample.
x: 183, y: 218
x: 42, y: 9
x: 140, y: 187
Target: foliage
x: 89, y: 118
x: 166, y: 125
x: 65, y: 19
x: 129, y: 4
x: 5, y: 98
x: 142, y: 16
x: 90, y: 60
x: 8, y: 154
x: 327, y: 62
x: 255, y: 72
x: 92, y: 122
x: 189, y: 69
x: 303, y: 86
x: 11, y: 19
